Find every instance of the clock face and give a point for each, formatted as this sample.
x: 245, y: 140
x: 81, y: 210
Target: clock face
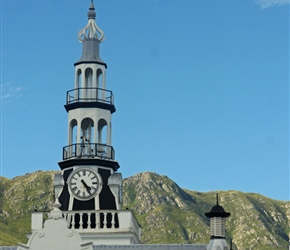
x: 83, y: 183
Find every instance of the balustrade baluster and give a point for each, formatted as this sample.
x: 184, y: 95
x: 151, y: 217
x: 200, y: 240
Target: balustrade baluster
x: 113, y: 220
x: 105, y: 220
x: 73, y: 221
x: 97, y: 220
x: 89, y: 221
x: 81, y: 221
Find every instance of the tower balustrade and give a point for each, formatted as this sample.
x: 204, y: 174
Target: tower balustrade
x: 93, y: 221
x: 88, y: 150
x: 90, y: 95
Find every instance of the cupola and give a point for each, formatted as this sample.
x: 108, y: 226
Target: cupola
x: 217, y: 217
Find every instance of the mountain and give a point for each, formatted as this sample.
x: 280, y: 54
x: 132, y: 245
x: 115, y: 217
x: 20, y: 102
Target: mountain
x: 18, y: 198
x: 169, y: 214
x: 166, y: 212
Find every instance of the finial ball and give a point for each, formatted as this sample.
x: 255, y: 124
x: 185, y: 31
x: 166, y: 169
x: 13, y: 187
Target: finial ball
x: 91, y: 14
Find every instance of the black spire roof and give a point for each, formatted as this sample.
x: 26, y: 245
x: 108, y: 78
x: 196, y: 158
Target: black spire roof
x: 217, y: 211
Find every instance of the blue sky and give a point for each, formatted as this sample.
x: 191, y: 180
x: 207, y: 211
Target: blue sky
x: 201, y: 88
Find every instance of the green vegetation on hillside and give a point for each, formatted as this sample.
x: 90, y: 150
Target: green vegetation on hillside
x: 166, y: 212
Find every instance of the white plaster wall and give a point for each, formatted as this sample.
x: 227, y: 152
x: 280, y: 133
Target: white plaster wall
x: 217, y: 244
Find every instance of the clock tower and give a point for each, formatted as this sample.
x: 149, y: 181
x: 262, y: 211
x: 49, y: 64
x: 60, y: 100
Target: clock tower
x: 91, y: 195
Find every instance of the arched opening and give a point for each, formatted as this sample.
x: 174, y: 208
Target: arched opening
x: 102, y: 131
x: 87, y: 130
x: 78, y: 83
x: 89, y: 78
x: 102, y: 138
x: 87, y: 138
x: 73, y: 132
x: 72, y: 139
x: 88, y: 83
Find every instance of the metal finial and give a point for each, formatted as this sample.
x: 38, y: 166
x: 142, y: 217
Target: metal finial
x: 92, y: 13
x: 217, y: 198
x: 92, y: 7
x: 91, y: 30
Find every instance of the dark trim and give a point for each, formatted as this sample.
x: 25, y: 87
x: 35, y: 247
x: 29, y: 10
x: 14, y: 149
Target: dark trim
x: 216, y: 237
x: 81, y: 62
x: 217, y: 214
x: 89, y: 162
x: 101, y: 105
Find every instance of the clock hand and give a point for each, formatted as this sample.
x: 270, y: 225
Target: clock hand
x: 86, y: 186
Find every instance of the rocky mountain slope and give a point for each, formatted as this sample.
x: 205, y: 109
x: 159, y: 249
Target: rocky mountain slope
x: 167, y: 213
x: 18, y: 197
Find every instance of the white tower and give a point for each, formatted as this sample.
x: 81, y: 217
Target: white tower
x: 91, y: 195
x: 89, y: 152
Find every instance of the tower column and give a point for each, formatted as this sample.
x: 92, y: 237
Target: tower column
x: 79, y: 132
x: 94, y: 81
x: 104, y: 80
x: 109, y: 135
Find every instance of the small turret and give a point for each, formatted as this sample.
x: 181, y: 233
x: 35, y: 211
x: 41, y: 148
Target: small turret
x: 217, y: 217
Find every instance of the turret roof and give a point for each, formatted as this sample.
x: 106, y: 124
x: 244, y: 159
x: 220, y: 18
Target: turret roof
x: 217, y: 211
x: 91, y: 36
